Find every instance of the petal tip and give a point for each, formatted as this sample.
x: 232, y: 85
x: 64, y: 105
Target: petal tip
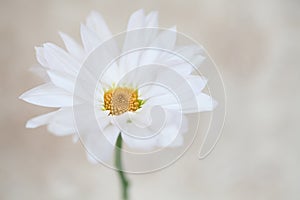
x: 30, y: 124
x: 23, y: 96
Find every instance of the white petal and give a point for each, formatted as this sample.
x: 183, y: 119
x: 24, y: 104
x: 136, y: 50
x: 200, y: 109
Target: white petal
x: 184, y: 60
x: 149, y: 56
x: 59, y: 129
x: 111, y: 133
x: 168, y: 135
x: 48, y: 95
x: 172, y: 133
x: 137, y: 20
x: 140, y: 123
x: 163, y: 100
x: 40, y: 56
x: 89, y: 118
x: 202, y: 103
x: 99, y: 146
x: 73, y: 47
x: 178, y: 64
x: 165, y: 40
x: 151, y: 23
x: 40, y: 120
x: 111, y: 76
x: 62, y: 123
x: 60, y: 60
x: 41, y: 72
x: 205, y: 103
x: 96, y: 23
x: 163, y: 130
x: 133, y: 40
x: 103, y: 119
x: 183, y: 68
x: 197, y: 83
x: 64, y: 116
x: 150, y: 91
x: 140, y: 76
x: 89, y: 39
x: 152, y: 19
x: 136, y: 143
x: 137, y: 39
x: 187, y: 67
x: 62, y: 80
x: 142, y: 117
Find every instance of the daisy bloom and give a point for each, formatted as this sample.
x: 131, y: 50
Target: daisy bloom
x: 104, y: 89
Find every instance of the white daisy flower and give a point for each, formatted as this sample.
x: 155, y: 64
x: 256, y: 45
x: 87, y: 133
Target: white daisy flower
x: 122, y: 100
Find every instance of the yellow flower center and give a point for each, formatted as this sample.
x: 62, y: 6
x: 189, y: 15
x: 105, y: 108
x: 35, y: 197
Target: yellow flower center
x: 120, y: 100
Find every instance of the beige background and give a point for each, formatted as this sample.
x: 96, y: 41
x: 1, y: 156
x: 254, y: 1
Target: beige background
x: 256, y: 44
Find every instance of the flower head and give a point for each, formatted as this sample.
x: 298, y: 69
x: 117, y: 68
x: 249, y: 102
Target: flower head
x: 123, y: 99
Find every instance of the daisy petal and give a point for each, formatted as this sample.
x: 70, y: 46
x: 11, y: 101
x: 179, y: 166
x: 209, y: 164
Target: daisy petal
x: 89, y: 39
x: 162, y: 130
x: 186, y: 59
x: 48, y: 95
x: 165, y: 41
x: 60, y: 60
x: 60, y: 129
x: 152, y: 19
x: 133, y: 40
x: 62, y: 80
x: 73, y: 47
x: 60, y: 122
x: 40, y: 120
x: 40, y: 56
x: 137, y: 143
x: 41, y: 72
x: 96, y: 23
x: 137, y: 20
x: 99, y: 146
x: 167, y: 137
x: 197, y: 83
x: 63, y: 122
x: 203, y: 103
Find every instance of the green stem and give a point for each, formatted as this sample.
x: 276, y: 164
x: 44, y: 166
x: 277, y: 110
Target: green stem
x: 118, y: 164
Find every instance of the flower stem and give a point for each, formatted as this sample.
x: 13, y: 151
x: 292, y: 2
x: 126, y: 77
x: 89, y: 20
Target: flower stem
x: 118, y: 164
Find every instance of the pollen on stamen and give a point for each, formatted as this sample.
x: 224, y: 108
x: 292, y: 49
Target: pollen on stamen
x: 121, y: 99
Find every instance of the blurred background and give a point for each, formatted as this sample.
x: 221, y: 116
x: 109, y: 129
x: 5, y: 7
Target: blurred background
x: 256, y: 45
